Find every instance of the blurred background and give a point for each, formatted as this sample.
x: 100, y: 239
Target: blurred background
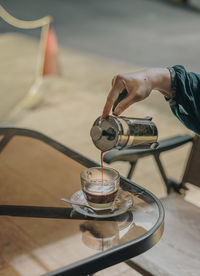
x: 93, y: 41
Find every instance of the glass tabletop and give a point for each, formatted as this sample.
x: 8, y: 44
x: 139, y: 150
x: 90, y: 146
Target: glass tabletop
x: 42, y: 233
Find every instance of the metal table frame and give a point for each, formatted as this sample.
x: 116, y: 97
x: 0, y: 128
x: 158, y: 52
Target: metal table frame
x: 103, y: 259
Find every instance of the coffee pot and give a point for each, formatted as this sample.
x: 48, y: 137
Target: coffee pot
x: 124, y: 132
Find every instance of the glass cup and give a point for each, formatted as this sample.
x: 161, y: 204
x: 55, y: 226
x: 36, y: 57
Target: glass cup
x: 100, y: 187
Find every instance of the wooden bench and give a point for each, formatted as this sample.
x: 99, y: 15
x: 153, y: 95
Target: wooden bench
x: 178, y: 252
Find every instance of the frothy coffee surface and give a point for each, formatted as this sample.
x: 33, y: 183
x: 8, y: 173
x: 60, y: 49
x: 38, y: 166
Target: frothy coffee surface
x: 99, y: 192
x: 97, y: 187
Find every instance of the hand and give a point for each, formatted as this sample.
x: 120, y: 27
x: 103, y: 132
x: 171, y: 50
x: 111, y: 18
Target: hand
x: 139, y: 86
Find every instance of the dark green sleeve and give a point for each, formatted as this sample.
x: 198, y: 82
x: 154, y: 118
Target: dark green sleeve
x: 185, y: 104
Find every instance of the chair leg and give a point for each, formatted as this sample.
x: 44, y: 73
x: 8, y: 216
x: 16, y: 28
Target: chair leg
x: 162, y: 171
x: 5, y: 140
x: 138, y: 268
x: 131, y: 170
x: 169, y: 183
x: 177, y: 187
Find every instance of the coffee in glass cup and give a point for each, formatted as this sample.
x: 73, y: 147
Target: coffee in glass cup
x: 100, y: 189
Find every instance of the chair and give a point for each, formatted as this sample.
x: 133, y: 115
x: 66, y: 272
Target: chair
x: 133, y: 155
x: 178, y: 252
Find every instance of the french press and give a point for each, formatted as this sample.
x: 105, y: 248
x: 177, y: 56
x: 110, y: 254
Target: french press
x: 122, y: 132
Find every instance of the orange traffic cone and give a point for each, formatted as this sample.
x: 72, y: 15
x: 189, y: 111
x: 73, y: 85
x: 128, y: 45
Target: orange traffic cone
x: 51, y: 64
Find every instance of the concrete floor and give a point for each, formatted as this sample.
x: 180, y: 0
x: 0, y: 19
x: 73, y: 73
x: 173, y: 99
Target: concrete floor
x: 142, y: 32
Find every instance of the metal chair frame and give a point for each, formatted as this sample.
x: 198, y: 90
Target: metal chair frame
x: 133, y: 155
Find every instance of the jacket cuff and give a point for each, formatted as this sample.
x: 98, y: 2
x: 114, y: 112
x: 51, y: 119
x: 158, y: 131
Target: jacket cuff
x: 172, y: 72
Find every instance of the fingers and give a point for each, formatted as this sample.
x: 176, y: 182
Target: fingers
x: 112, y: 97
x: 137, y: 84
x: 118, y: 87
x: 125, y: 103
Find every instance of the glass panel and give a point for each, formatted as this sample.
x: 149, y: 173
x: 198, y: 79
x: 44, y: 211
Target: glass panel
x: 33, y: 173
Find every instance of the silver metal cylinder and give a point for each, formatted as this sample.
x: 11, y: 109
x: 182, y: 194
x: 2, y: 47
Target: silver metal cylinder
x: 123, y: 132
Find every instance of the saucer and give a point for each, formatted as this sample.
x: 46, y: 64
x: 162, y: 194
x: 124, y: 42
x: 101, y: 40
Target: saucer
x: 122, y: 203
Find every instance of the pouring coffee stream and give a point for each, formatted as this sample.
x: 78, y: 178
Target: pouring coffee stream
x: 102, y: 152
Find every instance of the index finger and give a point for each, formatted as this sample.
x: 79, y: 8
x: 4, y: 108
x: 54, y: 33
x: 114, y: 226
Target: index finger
x: 112, y: 97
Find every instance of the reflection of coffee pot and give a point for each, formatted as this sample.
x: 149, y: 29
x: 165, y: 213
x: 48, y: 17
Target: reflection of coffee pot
x: 122, y: 132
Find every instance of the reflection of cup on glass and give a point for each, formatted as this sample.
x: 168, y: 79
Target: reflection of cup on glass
x: 100, y: 189
x: 100, y: 235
